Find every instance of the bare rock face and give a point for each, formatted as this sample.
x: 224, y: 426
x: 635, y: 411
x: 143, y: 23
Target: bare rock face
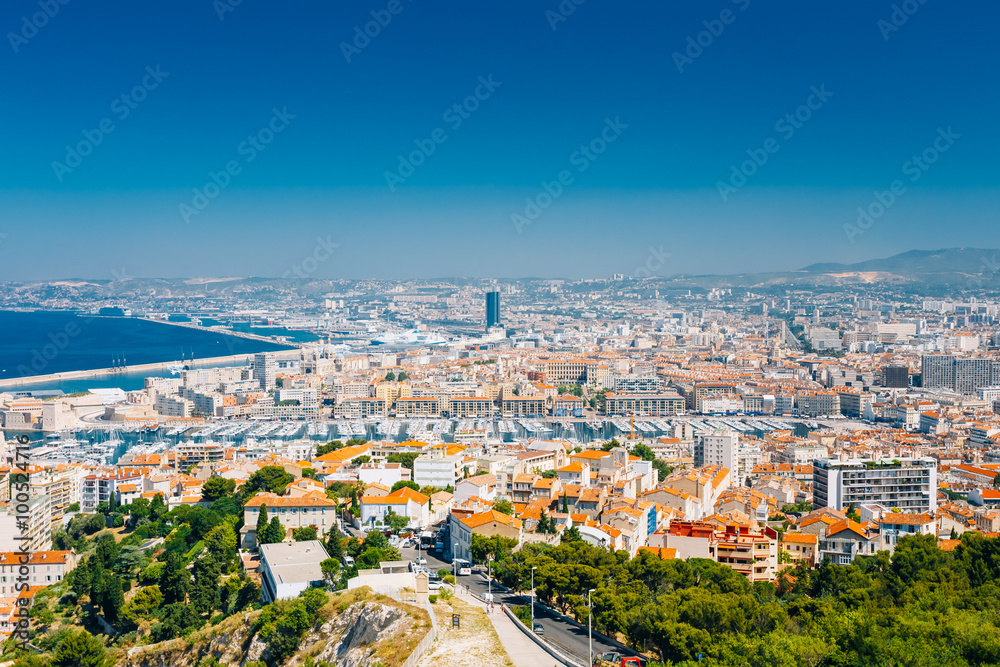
x: 348, y: 640
x: 357, y: 629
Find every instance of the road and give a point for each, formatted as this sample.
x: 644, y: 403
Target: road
x: 565, y: 636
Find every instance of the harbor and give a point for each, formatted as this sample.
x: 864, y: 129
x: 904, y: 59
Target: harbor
x: 138, y: 369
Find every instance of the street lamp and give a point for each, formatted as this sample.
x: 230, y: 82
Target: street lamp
x: 454, y: 563
x: 533, y: 568
x: 489, y: 576
x: 590, y: 637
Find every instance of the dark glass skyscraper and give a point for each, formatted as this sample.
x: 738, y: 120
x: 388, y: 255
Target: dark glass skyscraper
x: 492, y: 309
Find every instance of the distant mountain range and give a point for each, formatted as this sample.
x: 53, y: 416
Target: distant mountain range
x: 968, y: 261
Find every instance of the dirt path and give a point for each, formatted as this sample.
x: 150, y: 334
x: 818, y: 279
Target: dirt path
x: 474, y: 644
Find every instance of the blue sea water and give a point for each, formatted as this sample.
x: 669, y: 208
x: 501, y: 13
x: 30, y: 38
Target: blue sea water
x: 42, y: 342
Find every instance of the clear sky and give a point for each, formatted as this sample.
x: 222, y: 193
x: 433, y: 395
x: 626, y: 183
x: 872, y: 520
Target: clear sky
x: 641, y: 122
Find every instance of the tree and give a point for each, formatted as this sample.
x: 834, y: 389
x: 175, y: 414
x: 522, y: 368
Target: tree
x: 221, y: 545
x: 504, y: 507
x: 273, y: 533
x: 143, y: 606
x: 395, y: 521
x: 405, y: 484
x: 81, y: 649
x: 174, y: 581
x: 268, y: 478
x: 390, y: 376
x: 330, y: 568
x: 334, y: 546
x: 113, y: 598
x: 331, y: 446
x: 996, y: 481
x: 205, y: 590
x: 157, y: 507
x: 361, y: 460
x: 355, y: 442
x: 217, y: 487
x: 571, y: 534
x: 549, y: 474
x: 81, y: 579
x: 261, y: 523
x: 402, y: 376
x: 304, y: 534
x: 403, y: 458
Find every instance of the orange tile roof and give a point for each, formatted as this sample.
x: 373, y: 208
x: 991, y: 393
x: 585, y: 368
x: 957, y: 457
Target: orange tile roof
x: 490, y: 516
x: 310, y: 499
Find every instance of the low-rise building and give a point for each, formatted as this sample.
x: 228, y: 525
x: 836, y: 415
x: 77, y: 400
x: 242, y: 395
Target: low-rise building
x: 288, y: 568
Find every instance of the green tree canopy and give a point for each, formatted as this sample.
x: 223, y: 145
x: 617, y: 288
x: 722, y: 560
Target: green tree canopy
x: 81, y: 649
x: 217, y: 487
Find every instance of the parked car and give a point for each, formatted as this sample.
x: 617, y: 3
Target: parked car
x: 538, y: 629
x: 434, y: 585
x: 348, y: 561
x: 420, y: 560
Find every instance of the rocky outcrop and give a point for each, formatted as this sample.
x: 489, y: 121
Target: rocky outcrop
x: 351, y: 638
x: 358, y: 630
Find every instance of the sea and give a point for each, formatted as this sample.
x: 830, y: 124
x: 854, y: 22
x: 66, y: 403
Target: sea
x: 43, y: 342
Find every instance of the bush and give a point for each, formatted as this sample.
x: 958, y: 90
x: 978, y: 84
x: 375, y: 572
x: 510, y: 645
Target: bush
x: 448, y: 579
x: 444, y: 572
x: 432, y: 598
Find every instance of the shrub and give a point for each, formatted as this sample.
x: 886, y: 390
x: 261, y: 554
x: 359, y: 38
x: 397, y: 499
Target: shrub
x: 432, y: 598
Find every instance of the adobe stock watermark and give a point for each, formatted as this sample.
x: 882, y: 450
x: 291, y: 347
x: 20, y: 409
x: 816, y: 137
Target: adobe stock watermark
x: 584, y: 156
x: 381, y: 18
x: 990, y: 267
x: 31, y: 25
x: 696, y: 44
x: 915, y: 167
x: 248, y: 150
x: 55, y: 343
x: 563, y: 11
x: 900, y: 15
x: 121, y: 108
x: 787, y: 125
x: 454, y: 116
x: 20, y: 495
x: 304, y: 269
x: 223, y: 7
x: 654, y: 262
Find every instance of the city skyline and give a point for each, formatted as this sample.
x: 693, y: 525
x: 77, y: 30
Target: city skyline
x: 299, y: 123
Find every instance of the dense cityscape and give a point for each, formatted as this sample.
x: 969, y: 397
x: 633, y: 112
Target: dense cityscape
x: 499, y: 441
x: 531, y: 333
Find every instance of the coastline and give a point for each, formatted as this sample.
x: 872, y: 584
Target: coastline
x: 138, y: 368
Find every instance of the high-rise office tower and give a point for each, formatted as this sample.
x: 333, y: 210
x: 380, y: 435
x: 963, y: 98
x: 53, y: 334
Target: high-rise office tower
x: 896, y: 377
x: 492, y: 309
x: 264, y: 370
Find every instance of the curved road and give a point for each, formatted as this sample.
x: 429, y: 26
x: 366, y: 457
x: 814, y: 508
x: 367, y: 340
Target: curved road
x: 565, y: 636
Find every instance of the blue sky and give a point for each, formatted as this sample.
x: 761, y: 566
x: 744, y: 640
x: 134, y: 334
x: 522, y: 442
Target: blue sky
x: 669, y: 137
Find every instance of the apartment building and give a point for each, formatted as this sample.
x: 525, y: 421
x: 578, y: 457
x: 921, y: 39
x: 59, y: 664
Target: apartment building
x: 45, y: 568
x: 644, y: 404
x: 418, y: 406
x: 523, y: 406
x: 28, y: 528
x: 815, y: 404
x: 909, y: 484
x: 438, y: 469
x: 310, y: 509
x: 719, y: 449
x: 470, y: 406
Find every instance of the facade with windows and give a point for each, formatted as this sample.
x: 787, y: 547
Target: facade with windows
x: 909, y: 484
